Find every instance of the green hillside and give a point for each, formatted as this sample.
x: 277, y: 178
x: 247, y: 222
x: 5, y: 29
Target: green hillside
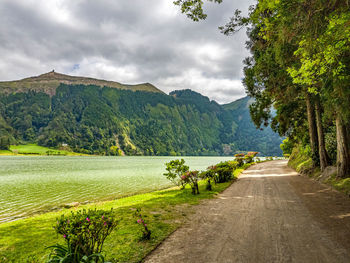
x: 245, y: 135
x: 96, y: 119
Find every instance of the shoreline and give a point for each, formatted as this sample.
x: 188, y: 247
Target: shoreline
x: 164, y: 210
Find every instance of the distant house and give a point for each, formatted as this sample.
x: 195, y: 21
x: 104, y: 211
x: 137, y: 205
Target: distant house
x: 64, y: 144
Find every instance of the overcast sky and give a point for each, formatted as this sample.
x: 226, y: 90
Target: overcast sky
x: 125, y: 41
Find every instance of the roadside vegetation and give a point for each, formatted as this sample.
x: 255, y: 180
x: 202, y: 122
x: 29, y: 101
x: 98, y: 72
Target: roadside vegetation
x: 301, y: 161
x: 139, y: 223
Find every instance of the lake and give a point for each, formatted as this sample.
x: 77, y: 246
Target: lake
x: 32, y: 184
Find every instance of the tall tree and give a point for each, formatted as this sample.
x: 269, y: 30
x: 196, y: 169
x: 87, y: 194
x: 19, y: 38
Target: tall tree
x: 309, y: 41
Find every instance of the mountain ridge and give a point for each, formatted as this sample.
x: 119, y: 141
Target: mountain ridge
x: 49, y: 82
x: 106, y: 120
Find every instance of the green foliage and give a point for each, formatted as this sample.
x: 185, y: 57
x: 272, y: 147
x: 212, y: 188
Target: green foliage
x: 244, y: 136
x: 287, y: 146
x: 193, y: 8
x: 146, y: 233
x: 224, y: 171
x: 109, y: 121
x: 300, y: 58
x: 176, y: 169
x: 4, y: 143
x: 62, y: 253
x: 239, y: 158
x: 331, y: 143
x: 84, y: 233
x: 191, y: 178
x: 300, y: 159
x: 208, y: 175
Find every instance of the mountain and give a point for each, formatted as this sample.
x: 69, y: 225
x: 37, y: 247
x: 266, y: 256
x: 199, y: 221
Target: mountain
x: 49, y: 82
x: 104, y: 117
x: 244, y: 133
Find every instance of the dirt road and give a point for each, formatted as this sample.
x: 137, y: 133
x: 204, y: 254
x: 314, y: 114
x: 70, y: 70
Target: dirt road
x: 269, y: 215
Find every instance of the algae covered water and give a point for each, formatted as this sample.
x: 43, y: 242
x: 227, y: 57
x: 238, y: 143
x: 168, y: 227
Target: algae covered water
x: 31, y: 184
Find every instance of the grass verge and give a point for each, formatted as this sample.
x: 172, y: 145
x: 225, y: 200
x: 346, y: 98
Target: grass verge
x: 301, y: 161
x: 164, y: 211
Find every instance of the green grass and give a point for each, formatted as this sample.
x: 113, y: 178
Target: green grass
x: 164, y: 211
x: 301, y: 161
x: 342, y: 185
x: 33, y: 149
x: 5, y: 152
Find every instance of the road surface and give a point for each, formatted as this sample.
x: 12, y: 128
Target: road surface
x: 271, y: 214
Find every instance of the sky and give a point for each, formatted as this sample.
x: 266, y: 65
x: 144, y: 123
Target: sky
x: 130, y: 42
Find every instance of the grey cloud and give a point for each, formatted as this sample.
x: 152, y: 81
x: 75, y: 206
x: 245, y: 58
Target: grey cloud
x: 125, y: 41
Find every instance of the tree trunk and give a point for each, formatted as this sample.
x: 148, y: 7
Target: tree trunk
x: 324, y: 158
x: 312, y: 129
x: 343, y: 154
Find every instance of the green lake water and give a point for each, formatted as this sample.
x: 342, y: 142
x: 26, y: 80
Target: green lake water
x: 32, y: 184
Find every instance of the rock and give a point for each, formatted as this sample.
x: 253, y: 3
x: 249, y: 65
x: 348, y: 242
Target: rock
x: 70, y: 205
x: 327, y: 173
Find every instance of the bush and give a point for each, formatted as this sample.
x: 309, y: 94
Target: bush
x: 224, y: 171
x: 191, y: 178
x: 4, y: 143
x: 287, y: 146
x: 146, y: 233
x: 176, y: 169
x: 208, y: 175
x: 84, y: 232
x: 239, y: 159
x: 249, y: 157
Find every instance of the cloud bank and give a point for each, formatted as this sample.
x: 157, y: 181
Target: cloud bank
x: 126, y: 41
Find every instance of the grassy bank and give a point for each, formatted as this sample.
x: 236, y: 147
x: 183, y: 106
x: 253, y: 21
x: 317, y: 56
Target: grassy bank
x: 164, y: 211
x: 301, y: 161
x: 33, y: 149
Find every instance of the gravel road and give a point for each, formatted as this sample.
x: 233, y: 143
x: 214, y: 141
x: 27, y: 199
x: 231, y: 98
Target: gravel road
x: 271, y: 214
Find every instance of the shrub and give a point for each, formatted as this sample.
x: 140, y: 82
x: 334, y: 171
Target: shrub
x: 224, y: 171
x: 4, y: 143
x: 239, y: 159
x: 208, y: 175
x: 176, y: 169
x: 249, y: 157
x: 191, y: 178
x: 146, y: 233
x: 84, y: 232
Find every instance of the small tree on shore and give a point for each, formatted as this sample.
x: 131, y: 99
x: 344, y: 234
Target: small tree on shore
x: 191, y: 178
x: 176, y: 168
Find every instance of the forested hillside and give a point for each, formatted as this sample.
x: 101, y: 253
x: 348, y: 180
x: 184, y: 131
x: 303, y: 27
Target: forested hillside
x: 113, y: 121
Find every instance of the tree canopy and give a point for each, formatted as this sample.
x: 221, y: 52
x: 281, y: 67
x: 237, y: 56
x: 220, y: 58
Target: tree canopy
x: 299, y: 69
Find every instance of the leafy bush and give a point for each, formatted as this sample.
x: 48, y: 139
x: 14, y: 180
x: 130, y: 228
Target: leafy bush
x: 249, y: 157
x: 191, y: 178
x: 208, y: 175
x: 287, y: 146
x: 176, y: 168
x: 224, y: 171
x: 239, y: 158
x: 84, y: 232
x: 4, y: 143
